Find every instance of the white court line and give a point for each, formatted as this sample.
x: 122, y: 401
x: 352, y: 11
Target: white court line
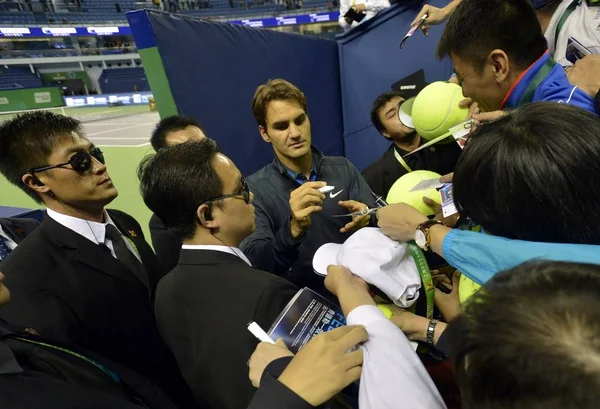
x: 124, y: 146
x: 120, y: 138
x: 116, y: 130
x: 116, y: 124
x: 95, y: 113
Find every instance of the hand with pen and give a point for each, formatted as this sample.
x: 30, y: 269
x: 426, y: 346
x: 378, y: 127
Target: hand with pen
x: 321, y: 369
x: 435, y: 15
x: 304, y: 202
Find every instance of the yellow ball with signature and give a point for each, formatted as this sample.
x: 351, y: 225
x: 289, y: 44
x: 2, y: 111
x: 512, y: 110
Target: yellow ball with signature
x: 400, y: 191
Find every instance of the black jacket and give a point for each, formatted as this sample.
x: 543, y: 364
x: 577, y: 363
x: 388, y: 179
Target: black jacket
x: 271, y: 247
x: 272, y: 394
x: 203, y: 308
x: 39, y: 373
x: 384, y: 172
x: 166, y: 245
x: 17, y: 229
x: 71, y: 290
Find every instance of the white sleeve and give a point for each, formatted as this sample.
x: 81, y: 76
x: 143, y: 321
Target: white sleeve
x: 392, y: 373
x: 344, y: 7
x: 375, y: 6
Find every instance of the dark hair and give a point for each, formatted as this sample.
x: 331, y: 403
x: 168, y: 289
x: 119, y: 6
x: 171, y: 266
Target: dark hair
x: 275, y: 90
x: 534, y: 175
x: 532, y: 339
x: 27, y: 141
x: 177, y: 180
x: 380, y: 101
x: 174, y: 123
x: 477, y: 27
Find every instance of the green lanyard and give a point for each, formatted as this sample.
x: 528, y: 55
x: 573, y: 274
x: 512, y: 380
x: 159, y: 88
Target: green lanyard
x: 563, y: 20
x: 536, y: 81
x: 402, y: 161
x: 104, y: 369
x: 425, y: 274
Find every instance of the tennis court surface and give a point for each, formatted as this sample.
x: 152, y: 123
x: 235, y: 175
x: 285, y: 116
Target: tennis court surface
x: 120, y: 126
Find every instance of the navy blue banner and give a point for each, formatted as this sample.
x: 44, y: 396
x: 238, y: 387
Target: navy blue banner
x: 63, y: 31
x: 125, y: 30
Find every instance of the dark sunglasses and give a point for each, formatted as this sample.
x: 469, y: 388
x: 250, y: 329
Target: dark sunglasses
x: 245, y: 193
x: 80, y: 162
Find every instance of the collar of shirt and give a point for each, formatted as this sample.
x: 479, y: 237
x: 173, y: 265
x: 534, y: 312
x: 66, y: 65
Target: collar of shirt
x: 10, y: 243
x: 516, y: 91
x: 93, y: 231
x: 300, y: 178
x: 224, y: 249
x: 317, y: 157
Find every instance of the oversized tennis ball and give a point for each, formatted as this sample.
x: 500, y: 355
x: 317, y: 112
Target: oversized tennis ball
x: 436, y: 109
x: 400, y: 191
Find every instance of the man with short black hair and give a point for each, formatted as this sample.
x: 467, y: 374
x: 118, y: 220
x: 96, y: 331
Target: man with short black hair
x: 204, y: 305
x: 503, y: 62
x: 168, y: 132
x: 175, y: 129
x: 518, y: 350
x: 383, y: 173
x: 86, y: 275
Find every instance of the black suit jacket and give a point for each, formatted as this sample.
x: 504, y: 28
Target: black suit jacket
x: 37, y: 372
x: 203, y: 308
x: 72, y: 290
x: 166, y: 245
x: 17, y: 229
x: 385, y: 171
x: 272, y: 394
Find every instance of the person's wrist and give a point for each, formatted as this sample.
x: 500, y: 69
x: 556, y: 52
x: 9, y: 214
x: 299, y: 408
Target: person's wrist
x: 295, y: 230
x: 417, y: 221
x: 416, y: 328
x: 290, y: 382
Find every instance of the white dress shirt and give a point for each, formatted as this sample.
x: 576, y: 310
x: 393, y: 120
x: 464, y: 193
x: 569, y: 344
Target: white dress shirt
x: 392, y: 374
x: 583, y: 25
x: 10, y: 243
x: 225, y: 249
x: 373, y: 7
x: 93, y: 231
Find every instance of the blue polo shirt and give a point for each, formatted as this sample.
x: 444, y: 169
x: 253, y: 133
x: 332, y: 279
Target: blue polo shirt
x: 554, y: 86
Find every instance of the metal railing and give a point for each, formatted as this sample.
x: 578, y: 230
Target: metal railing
x: 245, y: 13
x: 67, y: 52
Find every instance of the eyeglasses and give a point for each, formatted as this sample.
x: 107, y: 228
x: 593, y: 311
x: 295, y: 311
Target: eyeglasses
x: 245, y: 193
x: 80, y: 162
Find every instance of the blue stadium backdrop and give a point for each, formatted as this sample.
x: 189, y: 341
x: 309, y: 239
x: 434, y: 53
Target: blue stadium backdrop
x: 210, y: 71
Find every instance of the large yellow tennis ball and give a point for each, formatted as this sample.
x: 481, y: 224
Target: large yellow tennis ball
x: 400, y: 191
x: 436, y: 109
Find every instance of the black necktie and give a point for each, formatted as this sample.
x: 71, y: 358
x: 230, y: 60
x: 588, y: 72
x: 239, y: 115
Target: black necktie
x: 4, y: 249
x: 124, y: 255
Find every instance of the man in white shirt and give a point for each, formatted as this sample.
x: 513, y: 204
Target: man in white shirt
x: 203, y: 306
x: 368, y: 7
x: 86, y: 275
x: 562, y: 20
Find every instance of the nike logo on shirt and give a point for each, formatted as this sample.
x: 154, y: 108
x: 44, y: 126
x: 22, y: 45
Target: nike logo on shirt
x: 332, y: 195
